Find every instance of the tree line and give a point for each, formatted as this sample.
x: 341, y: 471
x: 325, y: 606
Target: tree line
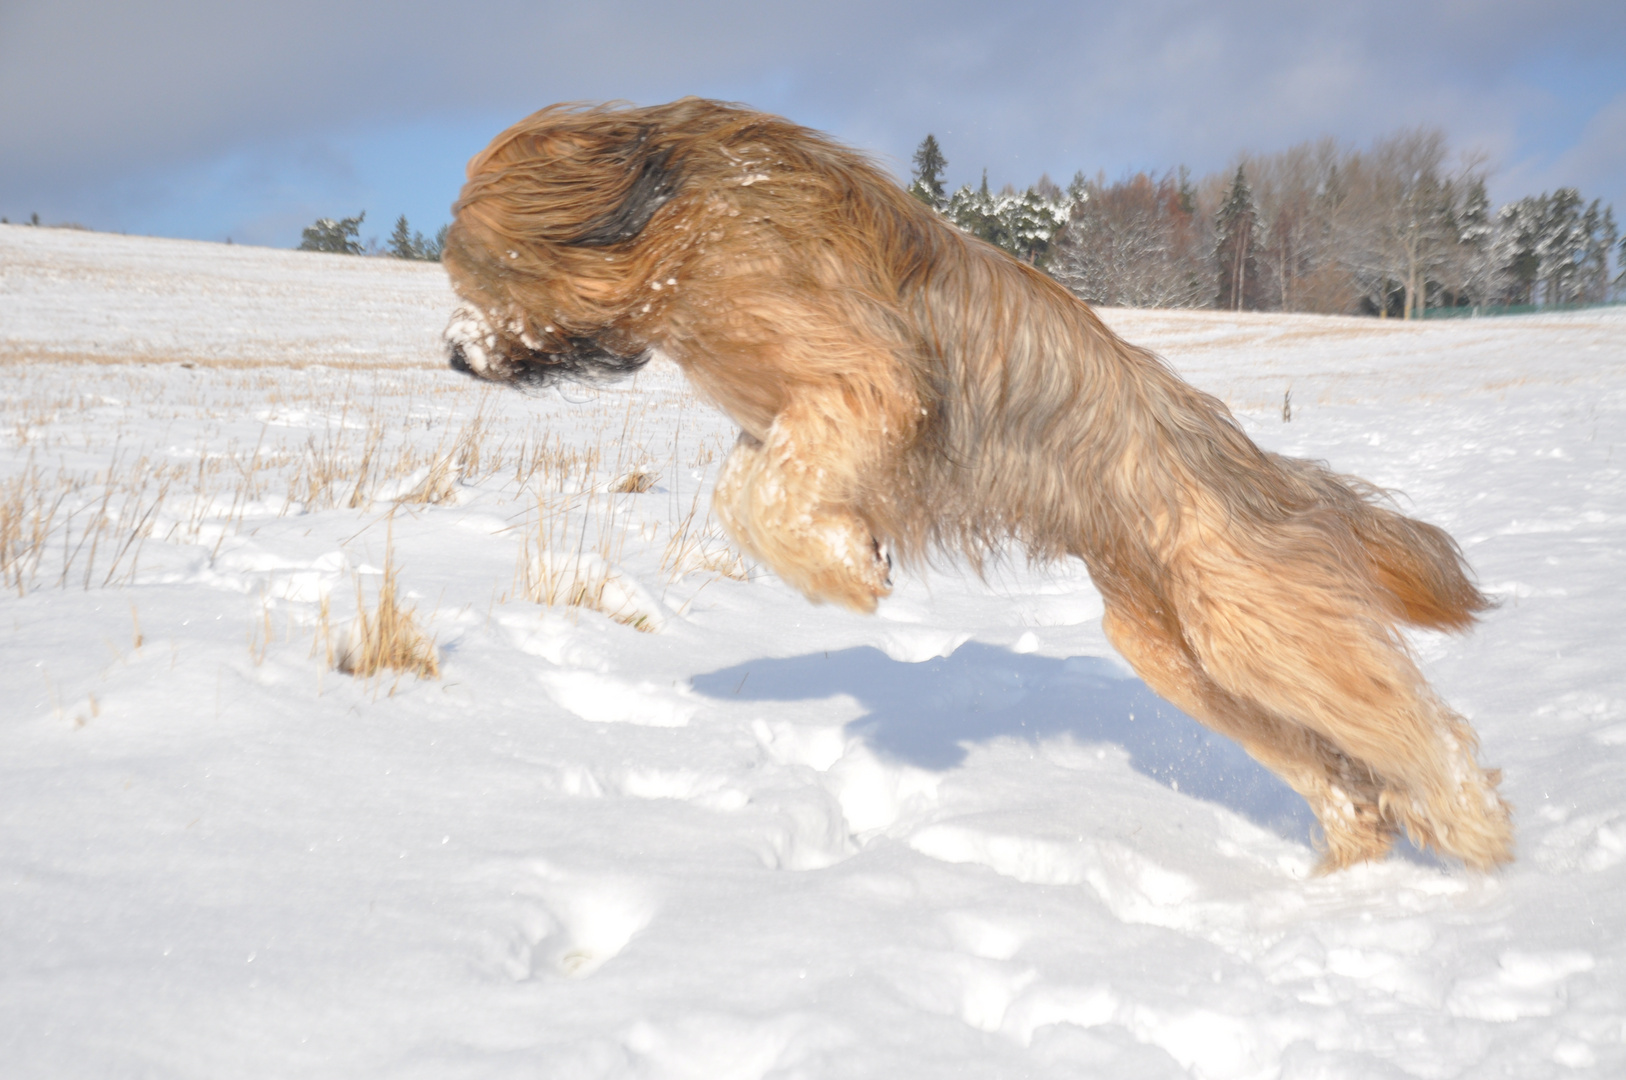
x: 1393, y: 230
x: 342, y: 236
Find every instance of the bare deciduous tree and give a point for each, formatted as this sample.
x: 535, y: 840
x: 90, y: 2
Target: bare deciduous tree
x: 1300, y: 194
x: 1136, y: 243
x: 1408, y: 203
x: 1396, y: 229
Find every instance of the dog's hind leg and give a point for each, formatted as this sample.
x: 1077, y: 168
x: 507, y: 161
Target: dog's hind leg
x: 1302, y: 640
x: 787, y: 501
x: 1344, y: 796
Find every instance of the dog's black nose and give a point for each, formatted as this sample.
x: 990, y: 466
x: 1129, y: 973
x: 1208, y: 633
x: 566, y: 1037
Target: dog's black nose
x: 457, y: 362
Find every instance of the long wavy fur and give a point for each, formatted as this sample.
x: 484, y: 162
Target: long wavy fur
x: 901, y: 387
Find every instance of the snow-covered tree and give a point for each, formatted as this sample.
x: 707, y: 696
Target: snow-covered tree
x: 1599, y: 227
x: 927, y: 184
x: 1400, y: 235
x: 1479, y: 278
x: 1560, y: 246
x: 1416, y: 201
x: 1032, y: 220
x: 1135, y: 243
x: 973, y: 211
x: 335, y: 236
x: 1021, y: 223
x: 1549, y: 251
x: 1513, y: 250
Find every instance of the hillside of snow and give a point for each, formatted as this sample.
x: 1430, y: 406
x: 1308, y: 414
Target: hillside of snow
x: 657, y: 816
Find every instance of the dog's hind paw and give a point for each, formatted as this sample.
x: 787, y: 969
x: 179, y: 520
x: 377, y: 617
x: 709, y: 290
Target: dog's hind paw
x: 1354, y: 830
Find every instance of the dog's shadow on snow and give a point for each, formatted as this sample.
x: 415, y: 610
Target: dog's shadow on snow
x: 928, y: 714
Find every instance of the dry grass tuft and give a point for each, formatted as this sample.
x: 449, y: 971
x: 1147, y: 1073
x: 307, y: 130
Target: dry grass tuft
x: 198, y: 456
x: 702, y: 547
x: 636, y: 482
x: 115, y: 511
x: 388, y: 638
x: 558, y: 567
x: 322, y: 644
x: 584, y: 580
x: 438, y: 486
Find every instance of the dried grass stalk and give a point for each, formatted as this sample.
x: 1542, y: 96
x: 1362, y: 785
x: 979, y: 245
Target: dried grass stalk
x: 636, y: 482
x: 388, y: 638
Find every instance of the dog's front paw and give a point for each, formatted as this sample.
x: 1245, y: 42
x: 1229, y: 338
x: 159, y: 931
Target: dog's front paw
x: 843, y: 564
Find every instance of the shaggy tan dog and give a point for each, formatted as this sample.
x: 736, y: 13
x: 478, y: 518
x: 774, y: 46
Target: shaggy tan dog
x: 901, y: 386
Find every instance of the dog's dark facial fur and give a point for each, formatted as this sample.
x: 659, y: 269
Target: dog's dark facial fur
x: 583, y: 360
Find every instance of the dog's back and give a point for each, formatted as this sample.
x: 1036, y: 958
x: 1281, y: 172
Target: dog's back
x: 1048, y: 428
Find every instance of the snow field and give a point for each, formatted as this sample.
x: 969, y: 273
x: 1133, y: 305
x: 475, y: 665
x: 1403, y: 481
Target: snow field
x: 689, y: 825
x: 82, y: 296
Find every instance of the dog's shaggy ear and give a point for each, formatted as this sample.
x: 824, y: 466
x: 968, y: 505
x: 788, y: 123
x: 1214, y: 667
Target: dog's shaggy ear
x: 572, y: 183
x: 653, y: 185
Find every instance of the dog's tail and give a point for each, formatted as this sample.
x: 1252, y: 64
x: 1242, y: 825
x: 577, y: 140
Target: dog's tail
x: 1421, y: 567
x: 1417, y: 569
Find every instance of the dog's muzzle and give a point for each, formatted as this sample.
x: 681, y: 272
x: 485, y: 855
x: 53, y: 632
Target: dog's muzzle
x: 474, y: 348
x: 470, y: 343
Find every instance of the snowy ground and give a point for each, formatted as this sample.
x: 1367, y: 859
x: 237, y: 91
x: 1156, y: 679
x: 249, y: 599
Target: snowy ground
x: 745, y: 837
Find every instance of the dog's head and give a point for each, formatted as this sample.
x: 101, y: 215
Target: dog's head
x: 547, y: 241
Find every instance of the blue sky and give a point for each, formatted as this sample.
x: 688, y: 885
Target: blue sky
x: 209, y: 119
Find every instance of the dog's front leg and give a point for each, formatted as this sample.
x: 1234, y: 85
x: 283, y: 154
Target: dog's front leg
x: 786, y: 500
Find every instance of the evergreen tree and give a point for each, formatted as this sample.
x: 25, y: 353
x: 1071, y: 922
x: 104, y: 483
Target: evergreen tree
x: 973, y: 211
x: 1474, y: 227
x: 1560, y: 245
x: 402, y: 243
x: 433, y: 248
x: 1549, y: 250
x: 1078, y: 190
x: 1188, y: 194
x: 1032, y: 218
x: 927, y: 185
x: 1599, y: 227
x: 408, y: 244
x: 335, y: 236
x: 1513, y: 252
x: 1237, y: 227
x: 1020, y: 223
x: 1476, y: 230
